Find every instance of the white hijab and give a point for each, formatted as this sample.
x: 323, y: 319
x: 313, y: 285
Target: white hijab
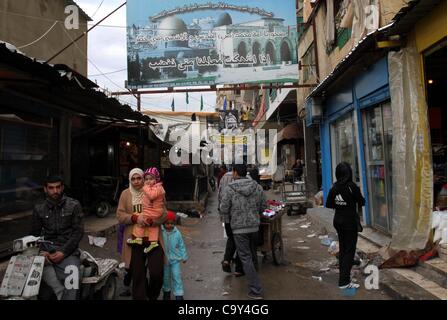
x: 137, y: 195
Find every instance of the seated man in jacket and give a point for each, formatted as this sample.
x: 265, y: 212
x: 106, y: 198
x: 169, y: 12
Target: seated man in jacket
x: 59, y: 220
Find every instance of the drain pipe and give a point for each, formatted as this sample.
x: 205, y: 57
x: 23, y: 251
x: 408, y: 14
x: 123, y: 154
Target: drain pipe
x: 317, y: 64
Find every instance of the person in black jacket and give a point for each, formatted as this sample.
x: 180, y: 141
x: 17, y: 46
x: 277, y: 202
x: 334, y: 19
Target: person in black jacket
x: 59, y: 219
x: 345, y: 197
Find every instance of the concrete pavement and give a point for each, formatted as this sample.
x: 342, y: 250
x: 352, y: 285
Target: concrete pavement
x: 306, y: 260
x: 297, y: 279
x: 427, y: 281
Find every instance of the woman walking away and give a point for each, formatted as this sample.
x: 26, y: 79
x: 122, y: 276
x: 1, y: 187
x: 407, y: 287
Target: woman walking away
x: 344, y: 197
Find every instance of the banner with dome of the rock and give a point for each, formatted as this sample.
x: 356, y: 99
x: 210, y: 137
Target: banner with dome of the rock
x: 174, y: 43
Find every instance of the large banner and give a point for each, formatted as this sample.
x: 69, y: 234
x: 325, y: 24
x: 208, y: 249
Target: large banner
x: 200, y: 42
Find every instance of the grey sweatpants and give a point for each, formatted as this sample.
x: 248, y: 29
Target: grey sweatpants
x: 54, y: 276
x: 244, y: 247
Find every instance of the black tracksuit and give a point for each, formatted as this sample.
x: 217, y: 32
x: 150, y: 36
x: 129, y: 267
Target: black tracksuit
x: 344, y: 198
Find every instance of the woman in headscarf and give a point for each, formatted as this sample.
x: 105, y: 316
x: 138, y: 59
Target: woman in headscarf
x: 128, y: 213
x: 345, y: 197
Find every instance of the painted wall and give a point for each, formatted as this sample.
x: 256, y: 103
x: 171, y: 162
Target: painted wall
x: 24, y: 21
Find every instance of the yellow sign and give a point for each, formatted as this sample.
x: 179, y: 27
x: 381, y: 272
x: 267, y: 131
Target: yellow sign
x: 233, y: 140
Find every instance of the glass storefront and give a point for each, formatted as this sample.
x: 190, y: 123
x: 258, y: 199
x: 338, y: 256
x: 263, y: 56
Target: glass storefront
x: 344, y: 144
x: 378, y: 141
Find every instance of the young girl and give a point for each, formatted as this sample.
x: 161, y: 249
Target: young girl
x: 153, y: 208
x: 344, y: 197
x: 175, y: 253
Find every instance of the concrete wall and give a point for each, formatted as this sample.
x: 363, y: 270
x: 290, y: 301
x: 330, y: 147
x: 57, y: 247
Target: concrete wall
x: 24, y: 21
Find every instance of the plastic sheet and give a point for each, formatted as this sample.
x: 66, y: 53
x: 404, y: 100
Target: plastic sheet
x: 411, y: 155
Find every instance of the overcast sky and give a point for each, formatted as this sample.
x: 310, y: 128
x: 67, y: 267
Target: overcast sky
x: 107, y: 52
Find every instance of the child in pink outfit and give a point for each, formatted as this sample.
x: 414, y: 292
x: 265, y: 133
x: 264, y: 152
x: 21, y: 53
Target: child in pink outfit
x: 153, y: 208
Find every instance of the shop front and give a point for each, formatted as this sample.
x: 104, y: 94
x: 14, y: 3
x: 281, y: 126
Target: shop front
x: 28, y: 153
x: 431, y: 41
x: 356, y: 128
x: 382, y: 109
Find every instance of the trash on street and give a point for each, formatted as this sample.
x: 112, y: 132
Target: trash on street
x: 97, y: 241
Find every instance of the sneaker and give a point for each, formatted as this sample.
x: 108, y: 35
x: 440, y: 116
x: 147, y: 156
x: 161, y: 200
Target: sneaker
x: 352, y: 285
x: 179, y: 298
x: 226, y: 267
x: 151, y: 247
x: 138, y: 241
x: 255, y: 296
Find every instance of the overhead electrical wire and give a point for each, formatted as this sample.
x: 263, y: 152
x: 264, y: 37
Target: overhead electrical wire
x: 40, y: 38
x: 107, y: 73
x: 96, y: 11
x: 84, y: 33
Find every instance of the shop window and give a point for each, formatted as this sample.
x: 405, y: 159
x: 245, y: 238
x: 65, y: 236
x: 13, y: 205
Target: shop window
x: 308, y: 64
x: 344, y: 144
x: 342, y: 34
x: 300, y: 17
x: 378, y: 136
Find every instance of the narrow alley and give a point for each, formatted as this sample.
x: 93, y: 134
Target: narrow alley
x: 306, y: 260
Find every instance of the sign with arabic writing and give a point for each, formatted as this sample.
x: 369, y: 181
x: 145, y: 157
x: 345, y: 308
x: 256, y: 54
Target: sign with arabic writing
x: 200, y: 42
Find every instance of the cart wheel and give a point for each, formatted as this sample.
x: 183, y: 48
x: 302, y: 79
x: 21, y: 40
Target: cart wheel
x: 102, y: 209
x: 277, y: 249
x: 302, y: 211
x: 108, y: 291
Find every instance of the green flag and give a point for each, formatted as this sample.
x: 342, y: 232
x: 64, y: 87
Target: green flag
x: 187, y: 98
x: 201, y: 103
x: 173, y: 105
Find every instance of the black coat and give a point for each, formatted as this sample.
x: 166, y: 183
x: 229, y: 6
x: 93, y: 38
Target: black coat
x: 60, y: 223
x: 345, y: 199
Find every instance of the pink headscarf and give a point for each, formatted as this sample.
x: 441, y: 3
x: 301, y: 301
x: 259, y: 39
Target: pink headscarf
x: 154, y: 173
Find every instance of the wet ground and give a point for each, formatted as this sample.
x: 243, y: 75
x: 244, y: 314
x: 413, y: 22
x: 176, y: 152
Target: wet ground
x: 308, y: 273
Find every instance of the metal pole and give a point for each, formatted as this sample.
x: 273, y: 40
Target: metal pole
x: 140, y: 134
x: 237, y: 88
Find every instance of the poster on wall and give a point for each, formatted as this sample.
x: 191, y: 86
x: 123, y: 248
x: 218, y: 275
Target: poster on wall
x: 200, y: 42
x: 229, y: 119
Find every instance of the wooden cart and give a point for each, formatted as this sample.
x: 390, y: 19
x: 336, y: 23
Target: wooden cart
x: 272, y: 237
x: 295, y: 197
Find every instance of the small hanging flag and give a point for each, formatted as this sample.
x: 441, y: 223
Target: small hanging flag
x: 225, y: 104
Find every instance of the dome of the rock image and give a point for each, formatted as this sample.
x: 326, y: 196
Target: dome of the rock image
x: 224, y: 20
